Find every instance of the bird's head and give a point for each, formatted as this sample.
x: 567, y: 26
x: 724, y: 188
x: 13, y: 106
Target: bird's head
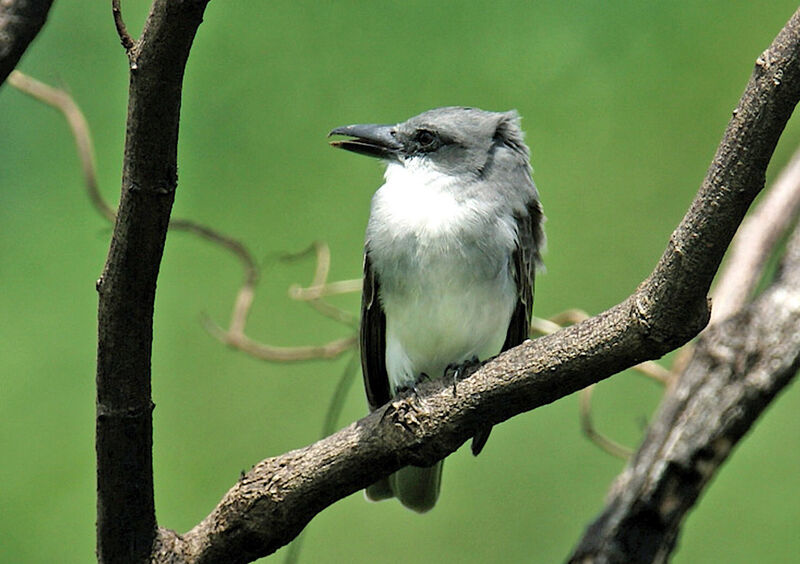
x: 455, y: 140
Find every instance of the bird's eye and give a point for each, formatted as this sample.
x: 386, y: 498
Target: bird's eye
x: 426, y: 139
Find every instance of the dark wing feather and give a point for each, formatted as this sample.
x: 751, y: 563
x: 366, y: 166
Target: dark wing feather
x: 526, y: 257
x: 373, y: 340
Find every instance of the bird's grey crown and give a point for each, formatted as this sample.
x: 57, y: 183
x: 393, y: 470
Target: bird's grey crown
x: 465, y: 126
x: 462, y: 140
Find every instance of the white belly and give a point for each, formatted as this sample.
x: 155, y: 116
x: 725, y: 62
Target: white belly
x: 443, y: 265
x: 444, y: 324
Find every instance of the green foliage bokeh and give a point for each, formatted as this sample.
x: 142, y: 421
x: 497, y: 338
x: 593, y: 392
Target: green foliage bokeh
x: 623, y: 104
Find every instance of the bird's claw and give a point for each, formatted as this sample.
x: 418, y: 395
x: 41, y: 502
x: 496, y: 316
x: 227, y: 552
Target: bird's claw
x: 458, y: 370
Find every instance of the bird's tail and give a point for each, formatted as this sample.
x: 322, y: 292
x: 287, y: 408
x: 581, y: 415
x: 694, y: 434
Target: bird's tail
x: 416, y: 487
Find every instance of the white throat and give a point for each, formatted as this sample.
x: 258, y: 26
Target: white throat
x: 418, y: 198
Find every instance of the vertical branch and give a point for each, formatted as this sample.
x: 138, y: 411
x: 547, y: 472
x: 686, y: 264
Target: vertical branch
x: 126, y: 524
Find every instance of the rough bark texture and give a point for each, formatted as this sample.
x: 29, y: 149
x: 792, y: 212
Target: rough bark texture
x: 738, y: 368
x: 20, y: 22
x: 126, y: 524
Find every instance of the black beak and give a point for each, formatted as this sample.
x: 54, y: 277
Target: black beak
x: 368, y: 139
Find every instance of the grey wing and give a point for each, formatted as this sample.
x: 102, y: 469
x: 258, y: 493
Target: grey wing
x: 372, y: 337
x: 526, y: 257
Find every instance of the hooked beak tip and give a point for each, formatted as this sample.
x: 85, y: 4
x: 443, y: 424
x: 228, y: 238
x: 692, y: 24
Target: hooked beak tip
x: 372, y: 140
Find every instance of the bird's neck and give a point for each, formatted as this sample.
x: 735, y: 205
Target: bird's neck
x: 420, y: 199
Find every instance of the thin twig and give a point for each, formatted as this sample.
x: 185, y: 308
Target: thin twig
x: 320, y: 280
x: 124, y: 37
x: 297, y: 292
x: 64, y: 103
x: 246, y: 294
x: 610, y: 446
x: 648, y: 368
x: 278, y: 354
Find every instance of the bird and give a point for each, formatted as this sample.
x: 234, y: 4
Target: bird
x: 453, y: 243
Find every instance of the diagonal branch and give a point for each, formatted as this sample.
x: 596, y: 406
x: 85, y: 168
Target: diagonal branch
x: 275, y: 500
x: 738, y: 367
x: 20, y: 23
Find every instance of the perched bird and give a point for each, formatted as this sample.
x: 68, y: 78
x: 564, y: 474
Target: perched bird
x: 452, y: 245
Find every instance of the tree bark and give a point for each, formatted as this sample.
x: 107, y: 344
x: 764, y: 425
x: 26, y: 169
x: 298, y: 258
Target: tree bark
x: 20, y: 23
x: 126, y: 523
x: 738, y: 368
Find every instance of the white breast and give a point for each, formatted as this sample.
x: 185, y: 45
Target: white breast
x: 443, y: 264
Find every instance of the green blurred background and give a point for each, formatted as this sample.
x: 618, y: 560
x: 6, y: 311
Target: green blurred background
x: 623, y: 104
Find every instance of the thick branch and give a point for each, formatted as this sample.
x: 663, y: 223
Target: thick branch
x: 275, y: 500
x: 738, y: 368
x: 126, y: 523
x: 20, y: 22
x: 735, y: 177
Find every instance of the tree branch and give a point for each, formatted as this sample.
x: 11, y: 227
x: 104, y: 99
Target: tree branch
x: 234, y: 335
x: 125, y: 38
x: 738, y: 368
x: 755, y: 240
x: 275, y: 500
x: 126, y: 525
x: 20, y: 23
x: 64, y: 103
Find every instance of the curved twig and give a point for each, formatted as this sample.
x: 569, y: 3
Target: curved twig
x: 234, y: 336
x: 64, y: 103
x: 319, y: 282
x: 587, y: 426
x: 263, y: 351
x: 124, y: 37
x: 648, y: 368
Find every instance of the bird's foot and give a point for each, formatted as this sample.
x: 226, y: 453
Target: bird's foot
x: 412, y: 389
x: 458, y: 371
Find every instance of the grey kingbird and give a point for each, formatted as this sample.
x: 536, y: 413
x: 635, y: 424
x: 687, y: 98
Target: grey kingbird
x: 452, y: 245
